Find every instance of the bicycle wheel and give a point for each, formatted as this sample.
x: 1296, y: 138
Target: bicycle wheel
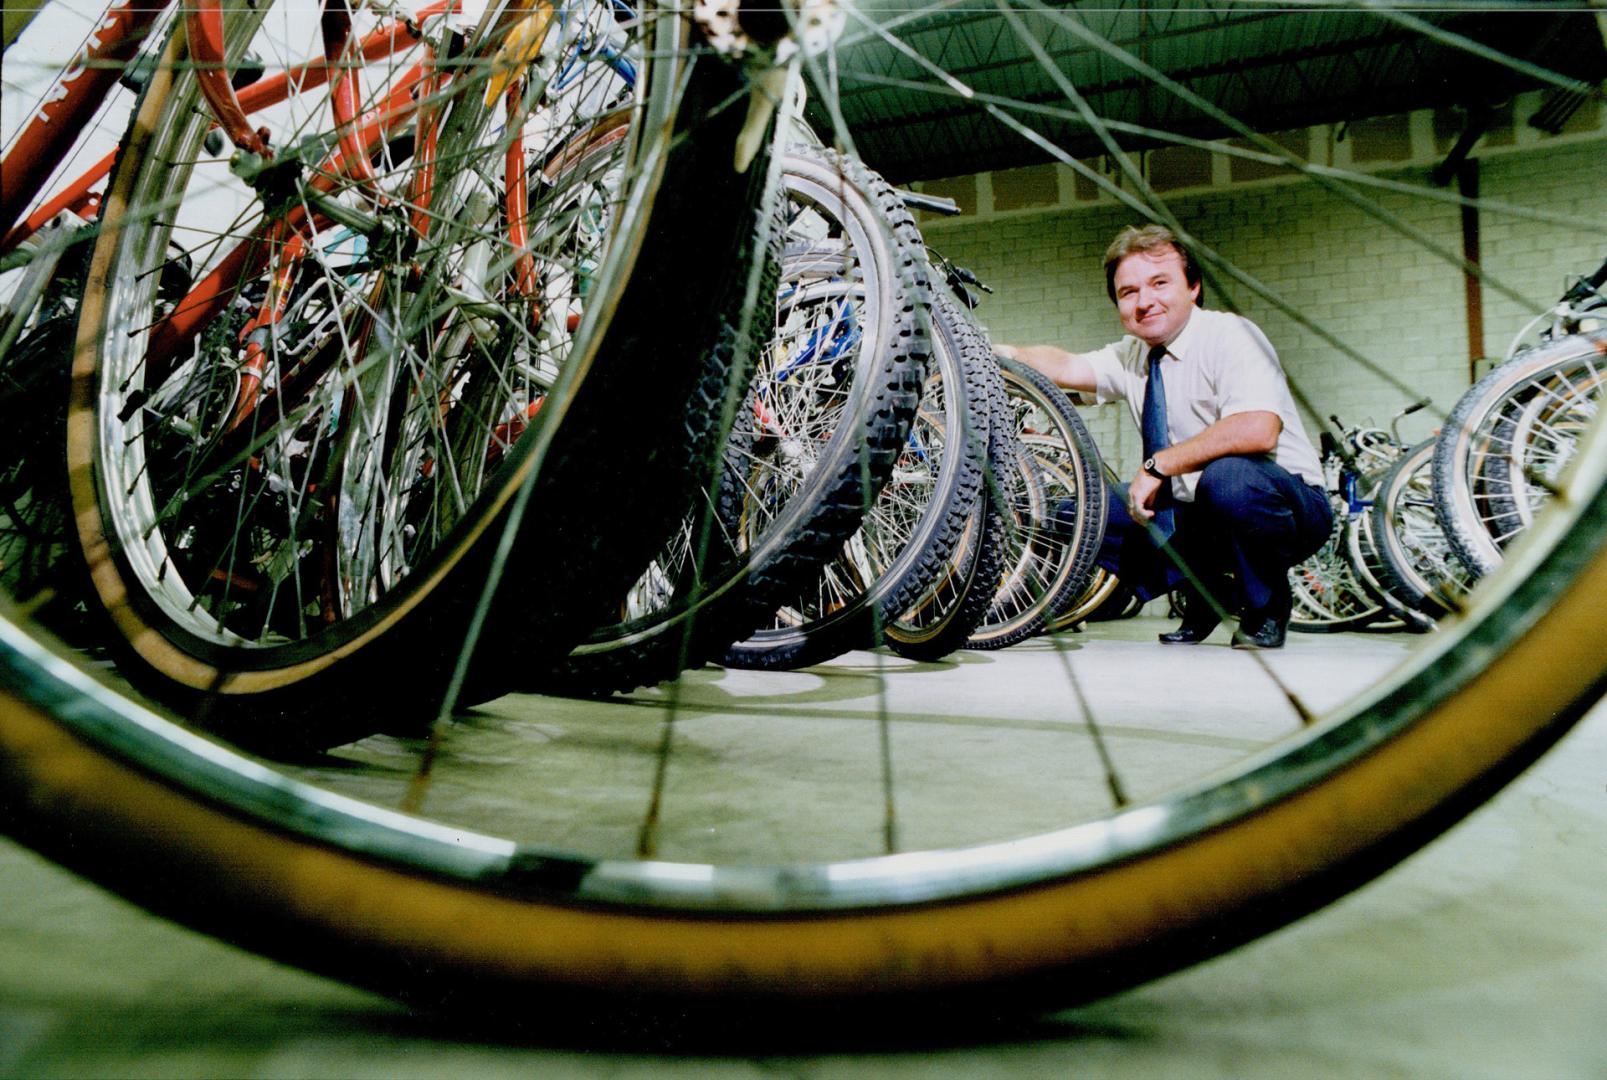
x: 1507, y: 437
x: 1416, y: 561
x: 1058, y: 531
x: 402, y: 906
x: 513, y: 908
x: 1366, y: 562
x: 947, y: 611
x: 1327, y: 597
x: 911, y: 530
x: 290, y: 481
x: 1102, y: 589
x: 34, y: 518
x: 833, y: 396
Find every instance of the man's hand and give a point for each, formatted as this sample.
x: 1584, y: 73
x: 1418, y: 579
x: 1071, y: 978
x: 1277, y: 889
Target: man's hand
x: 1141, y: 496
x: 1069, y: 371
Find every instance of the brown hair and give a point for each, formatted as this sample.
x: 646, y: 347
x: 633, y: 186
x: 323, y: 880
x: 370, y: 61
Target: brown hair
x: 1146, y: 238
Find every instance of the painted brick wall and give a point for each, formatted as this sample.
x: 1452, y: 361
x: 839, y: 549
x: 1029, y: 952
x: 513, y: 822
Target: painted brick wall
x: 1391, y: 312
x: 1539, y: 259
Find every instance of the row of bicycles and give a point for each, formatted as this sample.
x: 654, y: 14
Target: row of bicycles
x: 878, y: 477
x: 295, y: 391
x: 1417, y: 526
x: 858, y: 469
x: 403, y: 357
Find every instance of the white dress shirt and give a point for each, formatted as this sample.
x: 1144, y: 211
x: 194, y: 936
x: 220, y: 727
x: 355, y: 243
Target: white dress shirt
x: 1220, y: 364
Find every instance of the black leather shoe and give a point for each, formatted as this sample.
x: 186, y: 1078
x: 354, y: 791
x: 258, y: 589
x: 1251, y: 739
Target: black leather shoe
x: 1269, y: 635
x: 1190, y: 633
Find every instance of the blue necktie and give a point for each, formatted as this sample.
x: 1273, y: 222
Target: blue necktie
x: 1156, y: 440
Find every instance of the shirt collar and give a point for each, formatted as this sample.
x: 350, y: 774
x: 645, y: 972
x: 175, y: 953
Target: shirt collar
x: 1178, y: 347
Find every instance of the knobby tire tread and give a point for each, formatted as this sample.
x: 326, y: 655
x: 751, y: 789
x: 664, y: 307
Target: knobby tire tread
x: 979, y: 568
x: 747, y: 587
x: 860, y: 622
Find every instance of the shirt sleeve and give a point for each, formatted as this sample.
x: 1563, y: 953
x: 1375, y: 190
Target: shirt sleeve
x: 1247, y: 373
x: 1110, y: 379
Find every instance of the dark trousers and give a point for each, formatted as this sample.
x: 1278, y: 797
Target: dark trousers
x: 1251, y: 520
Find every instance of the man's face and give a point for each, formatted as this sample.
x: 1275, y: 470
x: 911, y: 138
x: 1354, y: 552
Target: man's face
x: 1153, y: 295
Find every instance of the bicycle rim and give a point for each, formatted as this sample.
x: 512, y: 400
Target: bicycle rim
x: 500, y: 914
x: 910, y: 530
x: 1506, y: 438
x: 414, y: 395
x: 831, y: 401
x: 440, y: 912
x: 1057, y: 532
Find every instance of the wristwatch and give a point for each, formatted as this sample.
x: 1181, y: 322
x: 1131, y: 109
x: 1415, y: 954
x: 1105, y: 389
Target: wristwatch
x: 1153, y: 469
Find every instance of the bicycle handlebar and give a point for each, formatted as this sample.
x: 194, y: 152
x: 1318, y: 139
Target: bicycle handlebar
x: 1395, y: 424
x: 1586, y: 287
x: 966, y: 277
x: 937, y: 204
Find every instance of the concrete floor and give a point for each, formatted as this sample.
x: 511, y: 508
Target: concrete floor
x: 1484, y: 955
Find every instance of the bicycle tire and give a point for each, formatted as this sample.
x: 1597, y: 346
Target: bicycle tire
x: 397, y: 906
x: 1366, y: 561
x: 944, y: 616
x: 776, y: 521
x: 35, y: 520
x: 444, y: 916
x: 1475, y: 473
x: 1416, y: 562
x: 1327, y: 597
x: 279, y: 696
x: 1103, y: 588
x: 911, y: 530
x: 1023, y: 607
x: 1545, y: 434
x: 1042, y: 483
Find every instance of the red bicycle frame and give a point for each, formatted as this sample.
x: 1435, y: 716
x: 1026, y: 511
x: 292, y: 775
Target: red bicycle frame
x: 66, y: 110
x: 45, y: 140
x: 280, y: 245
